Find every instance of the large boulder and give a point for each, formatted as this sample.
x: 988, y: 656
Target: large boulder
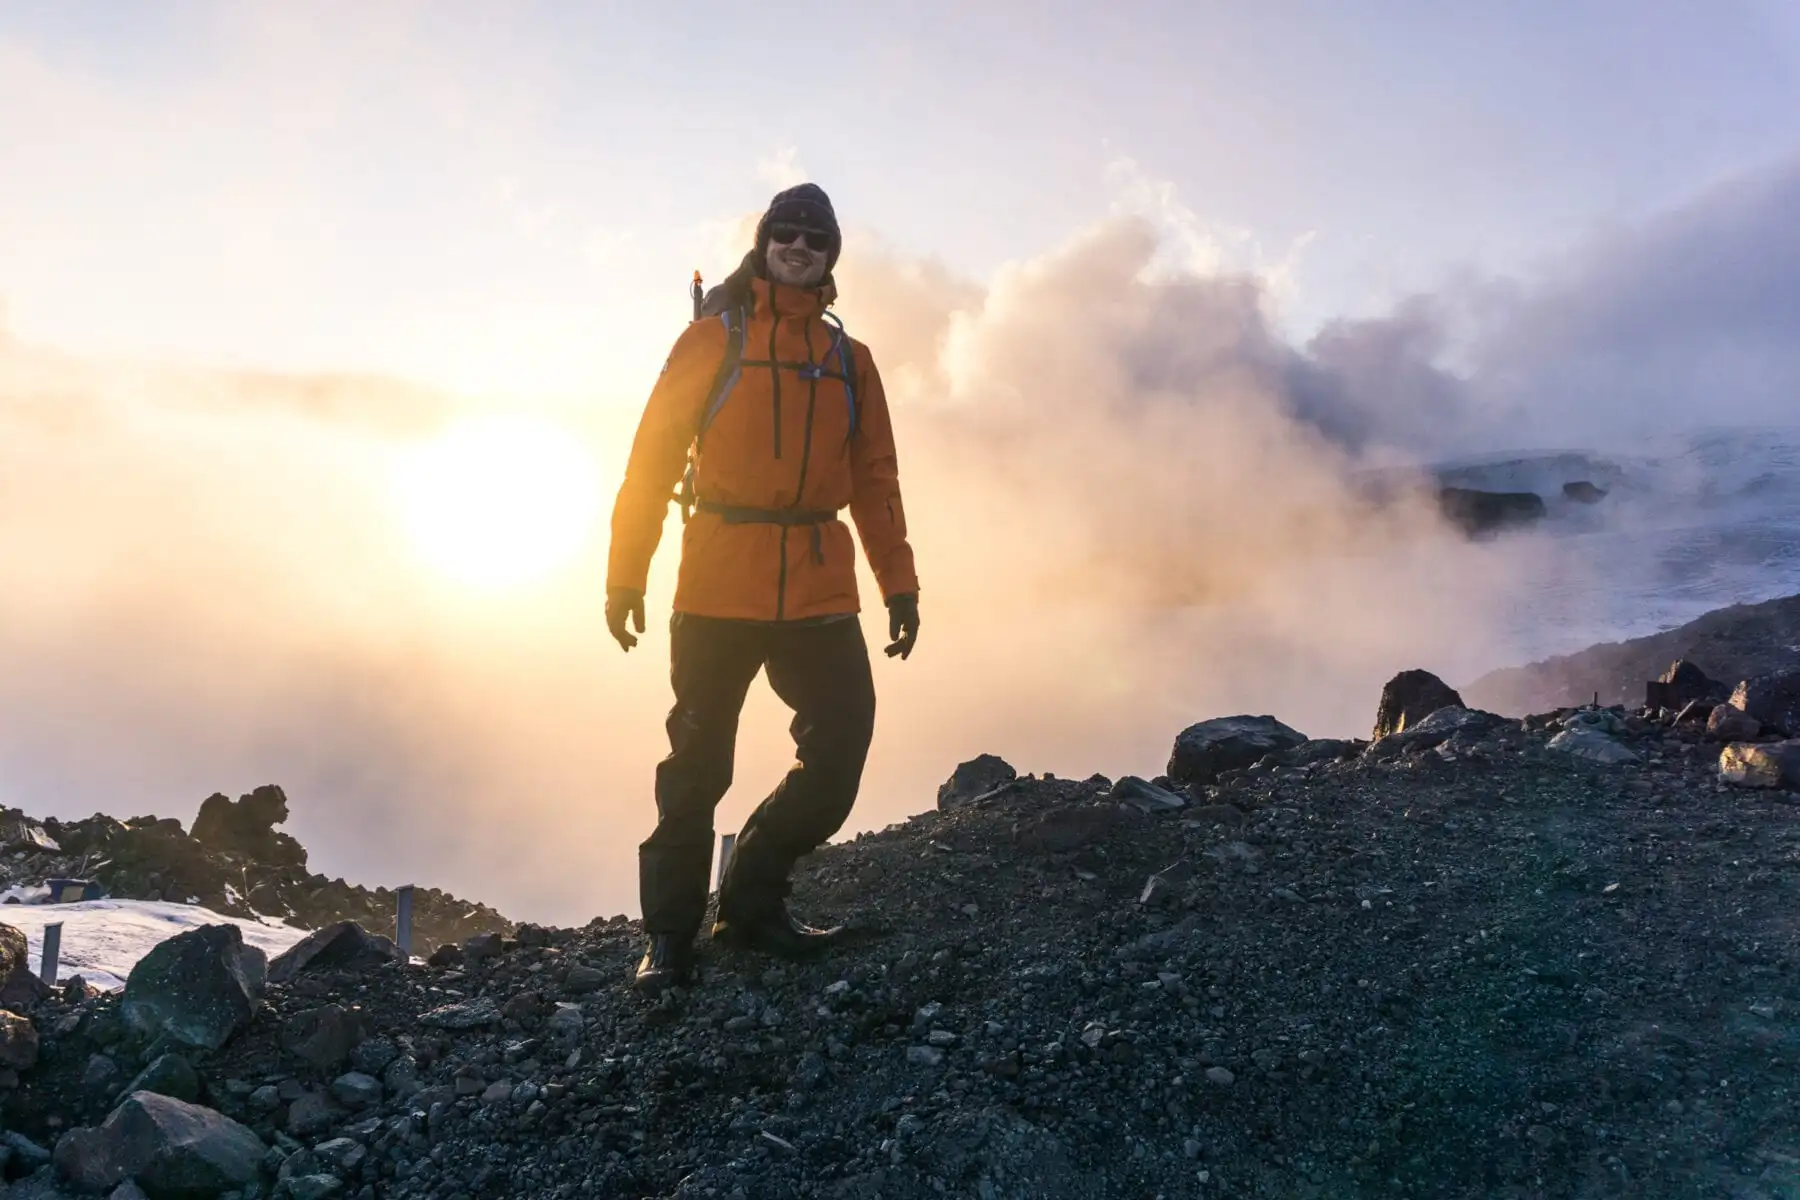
x: 14, y: 953
x: 198, y: 987
x: 1463, y: 724
x: 167, y: 1075
x: 977, y: 777
x: 1593, y: 745
x: 247, y: 827
x: 173, y: 1150
x: 1682, y: 684
x: 1728, y: 724
x: 344, y: 945
x: 18, y: 1042
x: 1767, y: 765
x: 1409, y: 698
x: 1773, y: 699
x: 1203, y: 752
x: 1479, y: 513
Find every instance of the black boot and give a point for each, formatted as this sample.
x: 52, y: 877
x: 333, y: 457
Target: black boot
x: 772, y: 930
x: 668, y: 962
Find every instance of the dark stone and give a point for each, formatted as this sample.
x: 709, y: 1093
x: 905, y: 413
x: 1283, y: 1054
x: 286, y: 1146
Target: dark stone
x: 1583, y: 492
x: 171, y: 1148
x: 323, y: 1036
x: 1059, y: 830
x: 1480, y: 513
x: 1409, y: 698
x: 168, y: 1075
x: 247, y: 827
x: 13, y: 951
x: 18, y: 1042
x: 1205, y: 750
x: 1146, y: 797
x: 977, y: 777
x: 344, y: 945
x: 196, y: 988
x: 1773, y: 699
x: 1436, y: 729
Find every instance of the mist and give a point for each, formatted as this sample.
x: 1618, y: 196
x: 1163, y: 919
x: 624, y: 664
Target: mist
x: 1132, y: 499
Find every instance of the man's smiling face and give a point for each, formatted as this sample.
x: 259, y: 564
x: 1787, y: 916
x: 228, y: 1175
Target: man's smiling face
x: 796, y: 256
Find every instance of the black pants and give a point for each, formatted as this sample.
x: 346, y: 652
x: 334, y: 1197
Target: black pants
x: 821, y: 671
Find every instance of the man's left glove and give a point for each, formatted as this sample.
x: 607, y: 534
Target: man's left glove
x: 620, y: 604
x: 903, y: 623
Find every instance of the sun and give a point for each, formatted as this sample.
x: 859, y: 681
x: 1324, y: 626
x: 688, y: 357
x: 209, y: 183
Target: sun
x: 498, y: 501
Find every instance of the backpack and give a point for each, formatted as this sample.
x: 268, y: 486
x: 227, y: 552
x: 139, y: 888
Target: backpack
x: 735, y: 314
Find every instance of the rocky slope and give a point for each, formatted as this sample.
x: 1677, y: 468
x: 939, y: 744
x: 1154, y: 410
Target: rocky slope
x: 1728, y: 644
x: 234, y: 863
x: 1480, y: 957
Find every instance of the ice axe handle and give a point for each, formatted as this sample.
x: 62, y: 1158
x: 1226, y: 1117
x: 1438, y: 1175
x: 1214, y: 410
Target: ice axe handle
x: 697, y: 292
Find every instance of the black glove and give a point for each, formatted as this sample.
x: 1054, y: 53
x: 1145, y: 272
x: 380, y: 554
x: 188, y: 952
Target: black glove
x: 622, y: 603
x: 903, y: 623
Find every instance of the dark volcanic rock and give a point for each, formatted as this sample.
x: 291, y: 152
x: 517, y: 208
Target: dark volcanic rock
x: 976, y: 777
x: 171, y: 1148
x: 1409, y: 698
x: 1740, y: 642
x: 18, y: 1042
x: 344, y: 945
x: 198, y: 987
x: 248, y: 827
x: 323, y: 1036
x: 1480, y: 513
x: 1773, y: 699
x: 1684, y: 682
x: 1204, y: 751
x: 168, y: 1075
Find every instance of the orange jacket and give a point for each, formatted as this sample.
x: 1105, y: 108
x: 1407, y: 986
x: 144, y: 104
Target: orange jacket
x: 780, y: 441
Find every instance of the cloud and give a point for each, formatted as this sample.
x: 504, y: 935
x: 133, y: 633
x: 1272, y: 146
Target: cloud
x: 1134, y: 504
x: 781, y: 169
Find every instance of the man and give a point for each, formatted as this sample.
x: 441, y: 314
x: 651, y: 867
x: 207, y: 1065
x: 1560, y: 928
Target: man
x: 788, y: 426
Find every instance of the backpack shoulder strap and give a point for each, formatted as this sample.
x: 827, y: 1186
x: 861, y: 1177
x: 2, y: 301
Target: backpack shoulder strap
x: 726, y: 376
x: 846, y: 356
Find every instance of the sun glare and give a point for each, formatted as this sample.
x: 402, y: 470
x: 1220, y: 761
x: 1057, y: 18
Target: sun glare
x: 496, y: 502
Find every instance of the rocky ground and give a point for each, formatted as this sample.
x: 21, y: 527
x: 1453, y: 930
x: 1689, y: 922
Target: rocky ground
x: 151, y: 858
x: 1555, y: 957
x: 1729, y: 643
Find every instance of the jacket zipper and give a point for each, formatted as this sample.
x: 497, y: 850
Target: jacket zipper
x: 812, y: 403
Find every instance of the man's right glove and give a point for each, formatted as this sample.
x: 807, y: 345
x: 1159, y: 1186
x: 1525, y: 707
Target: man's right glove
x: 620, y: 604
x: 903, y: 623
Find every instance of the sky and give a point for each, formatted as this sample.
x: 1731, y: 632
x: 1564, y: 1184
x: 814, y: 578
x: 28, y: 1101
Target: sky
x: 328, y: 326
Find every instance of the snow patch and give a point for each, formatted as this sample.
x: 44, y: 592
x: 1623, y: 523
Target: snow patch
x: 103, y: 939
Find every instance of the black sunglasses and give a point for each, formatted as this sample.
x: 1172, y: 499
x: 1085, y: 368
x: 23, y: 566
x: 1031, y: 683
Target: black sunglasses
x: 781, y: 235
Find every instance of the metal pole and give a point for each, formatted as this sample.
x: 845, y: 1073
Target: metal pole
x: 52, y: 952
x: 726, y: 842
x: 697, y: 293
x: 403, y: 920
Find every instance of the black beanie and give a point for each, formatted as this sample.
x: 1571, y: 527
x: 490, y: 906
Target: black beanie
x: 808, y: 207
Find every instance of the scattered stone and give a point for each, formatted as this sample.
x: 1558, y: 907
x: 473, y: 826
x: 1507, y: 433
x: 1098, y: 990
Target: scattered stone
x: 197, y: 988
x: 924, y: 1056
x: 973, y: 779
x: 310, y: 1113
x: 1220, y: 1076
x: 583, y: 979
x: 1205, y: 750
x: 323, y: 1036
x: 1147, y: 797
x: 1409, y: 698
x: 463, y: 1014
x: 448, y: 955
x: 14, y: 952
x: 354, y: 1090
x: 343, y: 945
x: 482, y: 947
x: 1438, y: 728
x: 168, y: 1075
